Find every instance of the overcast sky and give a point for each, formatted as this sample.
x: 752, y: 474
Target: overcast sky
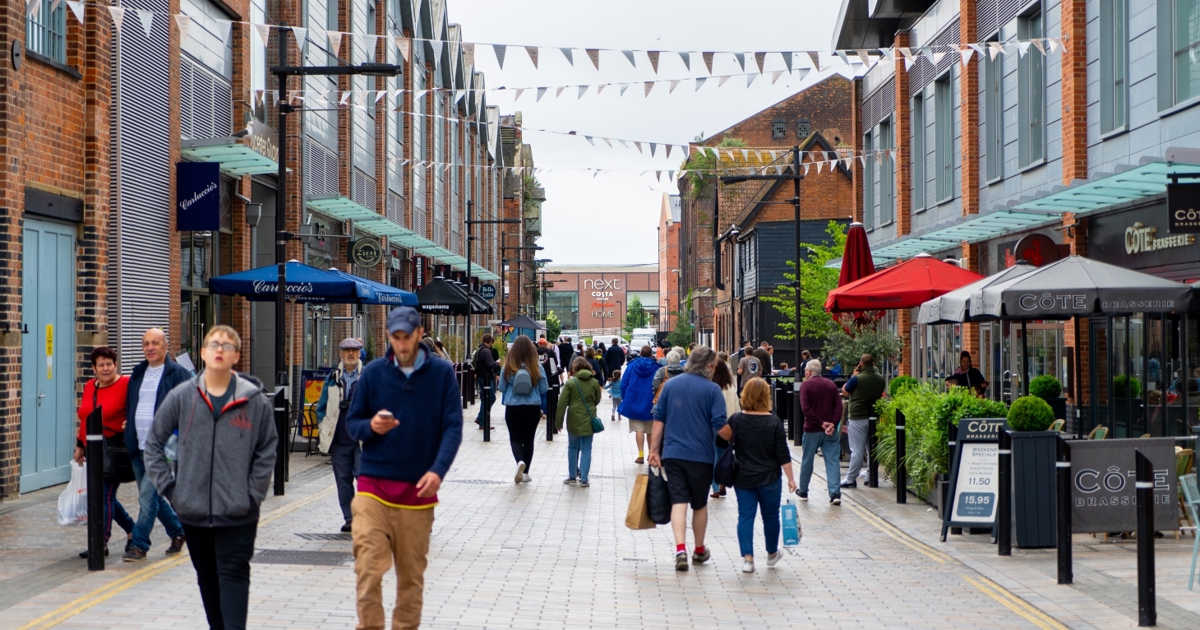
x: 611, y: 219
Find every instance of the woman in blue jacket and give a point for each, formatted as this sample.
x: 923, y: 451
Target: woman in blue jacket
x: 522, y: 384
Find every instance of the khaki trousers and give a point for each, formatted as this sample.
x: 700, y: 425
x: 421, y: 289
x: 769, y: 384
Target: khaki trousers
x: 382, y: 534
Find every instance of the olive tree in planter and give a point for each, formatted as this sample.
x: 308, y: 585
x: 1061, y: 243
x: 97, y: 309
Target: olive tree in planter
x: 1049, y: 389
x: 1034, y: 451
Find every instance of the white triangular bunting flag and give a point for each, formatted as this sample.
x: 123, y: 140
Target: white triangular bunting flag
x: 978, y: 48
x: 183, y: 23
x: 674, y: 84
x: 687, y: 59
x: 520, y: 91
x: 559, y: 91
x: 819, y: 166
x: 708, y: 60
x: 721, y: 81
x: 774, y: 155
x: 301, y: 35
x: 624, y: 86
x: 600, y: 88
x: 379, y: 96
x: 541, y: 92
x: 775, y: 76
x: 842, y: 55
x: 345, y: 97
x: 147, y: 19
x: 607, y: 141
x: 638, y: 145
x: 805, y: 168
x: 653, y: 55
x: 865, y: 56
x: 995, y: 49
x: 33, y: 8
x: 1037, y: 43
x: 582, y: 90
x: 700, y: 82
x: 590, y: 140
x: 335, y: 42
x: 594, y: 55
x: 787, y: 60
x: 649, y: 86
x: 668, y: 151
x: 118, y: 16
x: 741, y: 59
x: 745, y: 155
x: 760, y: 58
x: 264, y: 32
x: 532, y: 51
x: 1023, y: 48
x: 77, y: 9
x: 862, y: 159
x: 1053, y: 44
x: 966, y: 53
x: 653, y: 146
x: 623, y: 143
x: 405, y: 46
x: 499, y: 49
x: 750, y: 78
x: 569, y: 55
x: 629, y: 55
x: 936, y: 57
x: 815, y: 57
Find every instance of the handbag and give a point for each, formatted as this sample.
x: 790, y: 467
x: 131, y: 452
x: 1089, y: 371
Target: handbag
x: 658, y: 496
x: 726, y: 471
x: 118, y: 468
x: 637, y: 516
x: 597, y: 423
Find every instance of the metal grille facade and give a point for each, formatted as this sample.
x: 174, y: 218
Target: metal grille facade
x: 879, y: 105
x: 395, y: 208
x: 205, y: 102
x: 140, y: 232
x: 320, y: 170
x: 923, y: 72
x: 363, y: 189
x: 992, y: 14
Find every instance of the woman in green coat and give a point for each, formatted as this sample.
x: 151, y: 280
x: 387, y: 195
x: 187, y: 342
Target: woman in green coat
x: 577, y: 403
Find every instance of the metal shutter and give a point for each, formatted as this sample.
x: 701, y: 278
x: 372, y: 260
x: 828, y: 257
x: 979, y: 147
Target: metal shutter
x: 362, y: 189
x: 395, y: 207
x: 205, y: 102
x: 923, y: 72
x: 320, y: 170
x: 418, y: 222
x: 880, y: 104
x: 992, y: 14
x: 140, y: 231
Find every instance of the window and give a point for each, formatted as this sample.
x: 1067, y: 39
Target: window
x: 1178, y: 41
x: 1112, y: 65
x: 868, y: 183
x: 778, y: 129
x: 46, y: 31
x: 943, y: 123
x: 993, y: 111
x: 803, y: 128
x: 1031, y: 94
x: 918, y: 151
x: 887, y: 175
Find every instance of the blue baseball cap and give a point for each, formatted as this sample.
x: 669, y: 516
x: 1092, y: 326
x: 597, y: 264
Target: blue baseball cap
x: 403, y: 318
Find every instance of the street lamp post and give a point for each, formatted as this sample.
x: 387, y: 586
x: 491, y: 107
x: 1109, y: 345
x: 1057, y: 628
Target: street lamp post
x: 282, y: 236
x: 520, y: 259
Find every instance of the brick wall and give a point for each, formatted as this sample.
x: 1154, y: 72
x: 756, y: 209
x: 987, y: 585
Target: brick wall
x: 903, y: 145
x: 969, y: 113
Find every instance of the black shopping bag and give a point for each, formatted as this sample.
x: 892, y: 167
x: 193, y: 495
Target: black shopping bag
x: 659, y: 497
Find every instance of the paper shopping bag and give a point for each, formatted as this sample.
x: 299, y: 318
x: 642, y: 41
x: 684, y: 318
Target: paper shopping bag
x: 638, y: 514
x: 791, y: 524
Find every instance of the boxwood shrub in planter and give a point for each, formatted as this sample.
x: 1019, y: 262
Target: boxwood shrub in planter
x: 1049, y: 389
x: 1034, y: 450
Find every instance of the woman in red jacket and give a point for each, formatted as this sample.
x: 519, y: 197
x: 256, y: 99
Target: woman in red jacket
x: 107, y: 391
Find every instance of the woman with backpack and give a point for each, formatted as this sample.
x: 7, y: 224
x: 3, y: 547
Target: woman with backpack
x: 724, y: 379
x: 522, y: 383
x: 578, y: 403
x: 552, y: 371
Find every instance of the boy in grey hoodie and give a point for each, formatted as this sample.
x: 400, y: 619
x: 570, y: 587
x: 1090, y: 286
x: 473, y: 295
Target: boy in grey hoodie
x: 217, y: 491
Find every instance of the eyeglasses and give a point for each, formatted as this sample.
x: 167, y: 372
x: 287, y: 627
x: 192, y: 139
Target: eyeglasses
x: 217, y: 345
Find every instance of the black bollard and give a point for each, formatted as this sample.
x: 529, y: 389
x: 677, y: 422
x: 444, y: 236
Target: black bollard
x: 1066, y: 574
x: 551, y: 411
x: 1147, y: 611
x: 94, y: 451
x: 901, y: 469
x: 487, y: 421
x: 1004, y: 495
x: 285, y: 441
x: 952, y: 448
x: 872, y: 447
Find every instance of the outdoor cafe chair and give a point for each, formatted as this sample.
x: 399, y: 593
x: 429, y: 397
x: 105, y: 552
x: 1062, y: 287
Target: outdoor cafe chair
x: 1184, y: 458
x: 1057, y: 425
x: 1098, y: 433
x: 1187, y: 486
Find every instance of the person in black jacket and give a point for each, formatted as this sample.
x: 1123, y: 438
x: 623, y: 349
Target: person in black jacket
x: 614, y: 357
x: 152, y: 380
x: 565, y: 350
x: 486, y: 371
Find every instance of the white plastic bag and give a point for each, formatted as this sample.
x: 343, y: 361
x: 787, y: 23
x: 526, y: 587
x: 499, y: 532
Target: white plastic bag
x: 72, y: 503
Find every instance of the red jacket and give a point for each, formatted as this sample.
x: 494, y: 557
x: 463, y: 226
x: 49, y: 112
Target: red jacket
x: 821, y: 402
x: 111, y: 399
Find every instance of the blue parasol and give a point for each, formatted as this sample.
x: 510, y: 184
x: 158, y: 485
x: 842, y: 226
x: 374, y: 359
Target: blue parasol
x: 304, y: 284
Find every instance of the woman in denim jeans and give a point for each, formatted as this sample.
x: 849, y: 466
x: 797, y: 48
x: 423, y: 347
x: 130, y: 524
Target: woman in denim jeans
x: 760, y: 442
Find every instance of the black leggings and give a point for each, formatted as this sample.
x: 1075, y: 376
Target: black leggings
x: 522, y: 421
x: 221, y: 556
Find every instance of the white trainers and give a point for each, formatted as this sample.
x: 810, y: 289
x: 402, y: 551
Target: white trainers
x: 748, y: 566
x: 774, y: 558
x: 526, y: 478
x: 519, y: 477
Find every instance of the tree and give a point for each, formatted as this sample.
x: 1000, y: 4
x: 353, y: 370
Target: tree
x: 635, y: 315
x: 701, y: 167
x: 682, y: 334
x: 817, y: 280
x: 553, y: 327
x: 848, y: 341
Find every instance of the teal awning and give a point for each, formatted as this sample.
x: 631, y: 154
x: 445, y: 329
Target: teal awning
x: 341, y: 208
x: 403, y: 237
x: 1129, y: 183
x: 236, y: 159
x: 972, y: 230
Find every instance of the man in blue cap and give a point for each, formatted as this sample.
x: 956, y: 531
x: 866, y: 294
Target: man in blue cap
x: 343, y: 451
x: 407, y: 415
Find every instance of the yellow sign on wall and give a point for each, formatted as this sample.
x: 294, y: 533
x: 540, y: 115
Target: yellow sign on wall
x: 49, y: 351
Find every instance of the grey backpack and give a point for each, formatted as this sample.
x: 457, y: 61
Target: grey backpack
x: 522, y: 384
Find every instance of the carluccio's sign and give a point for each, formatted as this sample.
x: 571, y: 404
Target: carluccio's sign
x: 1140, y: 239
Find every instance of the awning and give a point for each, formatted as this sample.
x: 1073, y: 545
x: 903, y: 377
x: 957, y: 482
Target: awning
x: 972, y: 230
x: 341, y: 208
x: 1128, y: 183
x: 441, y: 297
x: 906, y: 285
x: 954, y: 307
x: 304, y: 284
x: 380, y: 292
x: 236, y: 159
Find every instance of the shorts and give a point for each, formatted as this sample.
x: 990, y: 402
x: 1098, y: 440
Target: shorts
x: 688, y: 482
x: 641, y: 425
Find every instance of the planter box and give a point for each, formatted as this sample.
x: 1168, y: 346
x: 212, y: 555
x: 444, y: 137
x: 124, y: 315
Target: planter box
x: 1034, y: 488
x: 1059, y: 405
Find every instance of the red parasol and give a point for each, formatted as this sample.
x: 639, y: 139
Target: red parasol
x: 856, y: 257
x: 906, y: 285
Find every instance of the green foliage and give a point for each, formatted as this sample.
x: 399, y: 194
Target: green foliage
x: 927, y: 413
x: 553, y: 327
x: 701, y: 169
x: 1045, y: 387
x: 635, y: 316
x: 1030, y: 413
x: 900, y: 384
x: 682, y: 334
x: 816, y: 282
x: 872, y: 338
x: 1127, y: 386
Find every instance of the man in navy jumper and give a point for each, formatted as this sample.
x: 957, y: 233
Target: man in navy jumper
x: 408, y: 415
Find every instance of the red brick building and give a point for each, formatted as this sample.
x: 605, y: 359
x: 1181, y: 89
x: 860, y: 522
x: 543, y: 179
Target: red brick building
x: 593, y: 300
x: 668, y: 262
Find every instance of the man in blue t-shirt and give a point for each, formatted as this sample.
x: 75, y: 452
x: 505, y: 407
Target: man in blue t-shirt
x: 689, y: 412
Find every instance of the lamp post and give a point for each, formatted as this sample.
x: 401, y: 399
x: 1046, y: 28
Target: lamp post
x: 520, y: 258
x: 539, y: 264
x: 282, y: 236
x: 546, y: 285
x: 469, y: 222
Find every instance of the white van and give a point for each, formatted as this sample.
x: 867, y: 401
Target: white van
x: 643, y: 337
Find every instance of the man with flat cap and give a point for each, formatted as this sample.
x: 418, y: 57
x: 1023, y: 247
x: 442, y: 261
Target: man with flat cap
x: 335, y: 399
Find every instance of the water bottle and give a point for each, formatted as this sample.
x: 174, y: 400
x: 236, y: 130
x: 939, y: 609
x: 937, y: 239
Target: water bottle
x: 170, y: 450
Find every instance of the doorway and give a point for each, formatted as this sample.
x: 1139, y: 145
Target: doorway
x: 47, y: 354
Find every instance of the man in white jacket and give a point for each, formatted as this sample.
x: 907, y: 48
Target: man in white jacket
x: 335, y: 400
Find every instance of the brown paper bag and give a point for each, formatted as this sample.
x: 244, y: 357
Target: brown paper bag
x: 638, y: 514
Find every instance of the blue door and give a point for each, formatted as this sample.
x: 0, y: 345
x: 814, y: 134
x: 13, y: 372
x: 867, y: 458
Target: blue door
x: 48, y: 421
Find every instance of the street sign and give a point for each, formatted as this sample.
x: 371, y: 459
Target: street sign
x: 1183, y: 208
x: 488, y: 291
x: 974, y: 475
x: 1103, y: 497
x: 366, y: 252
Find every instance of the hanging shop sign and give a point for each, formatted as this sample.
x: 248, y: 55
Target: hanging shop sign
x: 488, y: 291
x: 262, y: 139
x: 419, y: 271
x: 197, y: 196
x: 1183, y: 208
x: 1037, y: 249
x: 1141, y: 238
x: 1103, y: 493
x: 366, y: 252
x: 973, y: 475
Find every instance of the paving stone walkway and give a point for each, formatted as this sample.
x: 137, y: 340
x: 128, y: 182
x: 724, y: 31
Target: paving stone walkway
x: 545, y: 555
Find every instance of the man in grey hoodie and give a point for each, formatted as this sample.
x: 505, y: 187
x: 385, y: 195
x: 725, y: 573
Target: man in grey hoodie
x: 217, y: 491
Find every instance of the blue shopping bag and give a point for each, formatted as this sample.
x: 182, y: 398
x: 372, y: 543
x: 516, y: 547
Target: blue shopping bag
x: 791, y: 524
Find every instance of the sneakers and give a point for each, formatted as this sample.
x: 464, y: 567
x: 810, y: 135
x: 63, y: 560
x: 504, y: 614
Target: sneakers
x: 134, y: 555
x: 519, y: 477
x: 803, y: 495
x: 177, y: 542
x: 681, y: 563
x: 774, y: 558
x: 835, y: 499
x: 584, y: 484
x: 526, y: 478
x: 346, y: 528
x: 640, y: 460
x: 570, y: 481
x: 701, y: 558
x: 748, y: 566
x: 849, y: 484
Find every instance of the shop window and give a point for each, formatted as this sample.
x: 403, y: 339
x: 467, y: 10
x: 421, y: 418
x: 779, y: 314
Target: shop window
x: 918, y: 151
x: 1031, y: 93
x: 887, y: 175
x: 1113, y: 65
x: 943, y: 123
x: 868, y: 184
x: 993, y: 111
x: 1178, y: 41
x: 46, y: 30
